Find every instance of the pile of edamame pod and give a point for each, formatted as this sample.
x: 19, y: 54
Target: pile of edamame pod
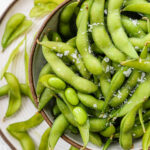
x: 97, y: 72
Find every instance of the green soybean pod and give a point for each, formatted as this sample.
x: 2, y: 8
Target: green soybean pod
x: 105, y: 78
x: 58, y: 128
x: 72, y: 42
x: 11, y: 26
x: 140, y: 42
x: 65, y: 18
x: 116, y: 83
x: 56, y: 83
x: 137, y: 131
x: 126, y: 126
x: 107, y: 144
x: 131, y: 27
x: 109, y: 131
x: 45, y: 70
x: 143, y: 25
x: 4, y: 90
x: 14, y: 94
x: 71, y: 96
x: 80, y: 115
x: 25, y: 90
x: 90, y: 101
x: 44, y: 140
x: 20, y: 30
x: 124, y: 91
x: 56, y: 110
x: 97, y: 124
x: 25, y: 125
x: 46, y: 96
x: 65, y: 73
x: 56, y: 37
x: 115, y: 28
x: 66, y: 112
x: 68, y: 12
x: 146, y: 139
x: 95, y: 139
x: 140, y: 64
x: 139, y: 96
x: 92, y: 64
x: 24, y: 139
x: 100, y: 35
x: 69, y: 52
x: 138, y: 7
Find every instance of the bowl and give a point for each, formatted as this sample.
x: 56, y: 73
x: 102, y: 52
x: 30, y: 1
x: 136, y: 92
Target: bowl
x: 36, y: 63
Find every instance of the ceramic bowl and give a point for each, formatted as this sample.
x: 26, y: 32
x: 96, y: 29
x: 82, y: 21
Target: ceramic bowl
x: 37, y: 61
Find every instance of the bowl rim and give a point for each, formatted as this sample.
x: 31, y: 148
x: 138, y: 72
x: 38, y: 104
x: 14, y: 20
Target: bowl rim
x: 31, y: 84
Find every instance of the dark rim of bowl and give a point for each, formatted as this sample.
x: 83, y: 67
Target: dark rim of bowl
x: 31, y: 75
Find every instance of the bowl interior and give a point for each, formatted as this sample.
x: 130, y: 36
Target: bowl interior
x: 38, y: 62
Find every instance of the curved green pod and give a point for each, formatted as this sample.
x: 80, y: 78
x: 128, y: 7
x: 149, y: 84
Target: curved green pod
x: 14, y: 94
x: 92, y: 64
x: 100, y: 35
x: 116, y: 30
x: 11, y: 26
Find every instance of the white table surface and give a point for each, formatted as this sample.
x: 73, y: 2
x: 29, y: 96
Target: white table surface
x: 27, y: 109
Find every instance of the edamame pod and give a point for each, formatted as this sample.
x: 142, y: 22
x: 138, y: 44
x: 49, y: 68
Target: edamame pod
x: 58, y: 128
x: 24, y: 139
x: 97, y: 124
x: 122, y: 94
x: 132, y: 27
x: 73, y: 148
x: 95, y: 139
x: 105, y: 78
x: 100, y: 35
x: 140, y: 42
x: 140, y: 64
x: 11, y: 26
x: 65, y: 18
x: 115, y: 28
x: 4, y: 90
x: 46, y: 96
x: 20, y: 30
x: 44, y: 140
x: 71, y: 96
x: 56, y: 83
x: 66, y: 112
x: 68, y: 51
x: 80, y: 115
x: 139, y: 96
x: 45, y: 70
x: 109, y: 131
x: 116, y: 83
x: 146, y: 139
x: 142, y: 7
x: 56, y: 110
x: 126, y: 126
x: 92, y: 64
x: 19, y: 131
x: 14, y: 94
x: 90, y: 101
